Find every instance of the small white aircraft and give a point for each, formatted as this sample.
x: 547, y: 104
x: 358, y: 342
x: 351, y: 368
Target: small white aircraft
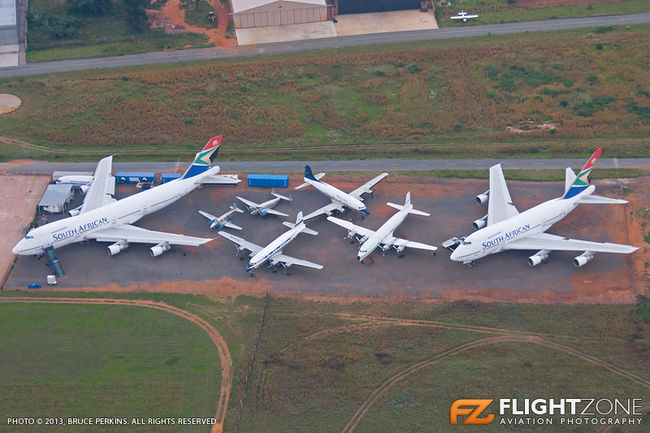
x: 504, y: 228
x: 266, y: 207
x: 383, y: 237
x: 273, y: 251
x: 462, y: 15
x: 223, y: 220
x: 105, y: 219
x: 81, y: 181
x: 340, y: 199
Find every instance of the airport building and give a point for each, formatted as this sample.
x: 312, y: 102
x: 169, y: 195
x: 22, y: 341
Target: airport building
x: 265, y: 13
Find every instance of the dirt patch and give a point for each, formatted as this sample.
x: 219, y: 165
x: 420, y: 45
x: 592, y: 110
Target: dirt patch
x: 172, y: 18
x: 9, y: 103
x: 525, y: 129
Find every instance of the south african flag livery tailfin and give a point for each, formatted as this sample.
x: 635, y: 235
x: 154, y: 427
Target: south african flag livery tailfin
x: 204, y: 158
x: 582, y: 180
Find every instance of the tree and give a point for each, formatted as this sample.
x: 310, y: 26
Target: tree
x: 90, y: 7
x: 136, y: 16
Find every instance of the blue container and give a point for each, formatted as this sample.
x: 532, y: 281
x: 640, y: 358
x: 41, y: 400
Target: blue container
x: 33, y: 286
x: 166, y: 177
x: 268, y: 180
x: 134, y: 177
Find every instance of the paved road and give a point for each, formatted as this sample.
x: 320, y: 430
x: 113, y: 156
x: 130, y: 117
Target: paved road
x: 353, y: 165
x: 343, y: 41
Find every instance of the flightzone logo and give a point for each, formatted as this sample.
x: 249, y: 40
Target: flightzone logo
x: 543, y: 411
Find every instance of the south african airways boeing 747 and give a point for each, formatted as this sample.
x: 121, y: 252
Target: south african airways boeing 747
x: 105, y: 219
x: 504, y: 228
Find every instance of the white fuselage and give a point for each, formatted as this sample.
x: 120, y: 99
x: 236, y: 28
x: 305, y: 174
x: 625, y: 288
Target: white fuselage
x: 269, y: 204
x: 337, y: 195
x: 274, y: 248
x: 222, y: 220
x: 493, y: 238
x: 385, y: 231
x: 126, y: 211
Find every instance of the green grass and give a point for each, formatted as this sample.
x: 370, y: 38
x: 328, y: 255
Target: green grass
x: 113, y: 361
x: 299, y: 382
x: 500, y: 11
x: 146, y: 352
x: 93, y: 35
x: 199, y: 17
x: 334, y: 104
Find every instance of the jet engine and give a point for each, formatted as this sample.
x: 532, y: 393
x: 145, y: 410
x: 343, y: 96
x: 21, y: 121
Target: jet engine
x: 538, y: 257
x: 350, y: 236
x: 583, y: 258
x: 159, y: 249
x: 117, y: 247
x: 482, y: 198
x: 400, y: 250
x: 480, y: 223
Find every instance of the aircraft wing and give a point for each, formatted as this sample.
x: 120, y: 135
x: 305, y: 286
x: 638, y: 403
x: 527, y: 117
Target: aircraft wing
x: 208, y: 215
x: 327, y: 209
x: 232, y: 226
x: 294, y: 261
x: 133, y: 234
x: 241, y: 243
x: 274, y: 212
x: 366, y: 187
x: 546, y: 241
x: 98, y: 193
x: 397, y: 242
x: 248, y: 202
x: 352, y: 227
x: 500, y: 205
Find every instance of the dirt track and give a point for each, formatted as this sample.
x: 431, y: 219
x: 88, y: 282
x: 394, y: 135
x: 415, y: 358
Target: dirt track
x: 217, y: 339
x: 370, y: 400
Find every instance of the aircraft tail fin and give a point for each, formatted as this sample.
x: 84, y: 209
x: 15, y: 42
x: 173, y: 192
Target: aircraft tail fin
x: 204, y: 158
x: 583, y: 179
x: 308, y: 173
x: 407, y: 205
x: 236, y: 208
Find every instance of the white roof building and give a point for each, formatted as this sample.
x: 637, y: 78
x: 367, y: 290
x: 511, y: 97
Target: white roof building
x: 264, y: 13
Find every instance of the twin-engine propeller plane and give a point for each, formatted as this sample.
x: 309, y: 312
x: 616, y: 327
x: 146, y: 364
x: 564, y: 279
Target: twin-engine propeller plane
x: 272, y: 253
x: 223, y: 220
x: 340, y: 200
x: 105, y: 219
x: 383, y: 237
x: 268, y: 206
x: 504, y: 228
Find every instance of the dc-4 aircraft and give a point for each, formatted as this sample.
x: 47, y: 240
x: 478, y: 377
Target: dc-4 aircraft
x: 266, y: 207
x: 105, y: 219
x: 462, y: 15
x: 383, y: 237
x: 273, y: 251
x: 504, y: 228
x: 223, y: 220
x: 340, y: 200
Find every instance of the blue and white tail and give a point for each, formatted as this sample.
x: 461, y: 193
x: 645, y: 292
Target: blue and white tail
x: 308, y: 173
x: 582, y: 181
x: 299, y: 221
x: 204, y: 158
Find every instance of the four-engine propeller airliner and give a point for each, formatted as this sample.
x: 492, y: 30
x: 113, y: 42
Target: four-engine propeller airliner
x: 504, y: 228
x: 105, y: 219
x: 383, y: 237
x: 223, y: 220
x: 273, y: 251
x: 340, y: 199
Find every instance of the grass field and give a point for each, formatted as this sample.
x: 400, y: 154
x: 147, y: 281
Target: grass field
x: 317, y: 360
x: 427, y: 99
x: 119, y: 361
x: 505, y: 11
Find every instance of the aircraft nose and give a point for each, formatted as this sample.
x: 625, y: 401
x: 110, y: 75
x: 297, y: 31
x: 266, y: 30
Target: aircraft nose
x: 454, y: 255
